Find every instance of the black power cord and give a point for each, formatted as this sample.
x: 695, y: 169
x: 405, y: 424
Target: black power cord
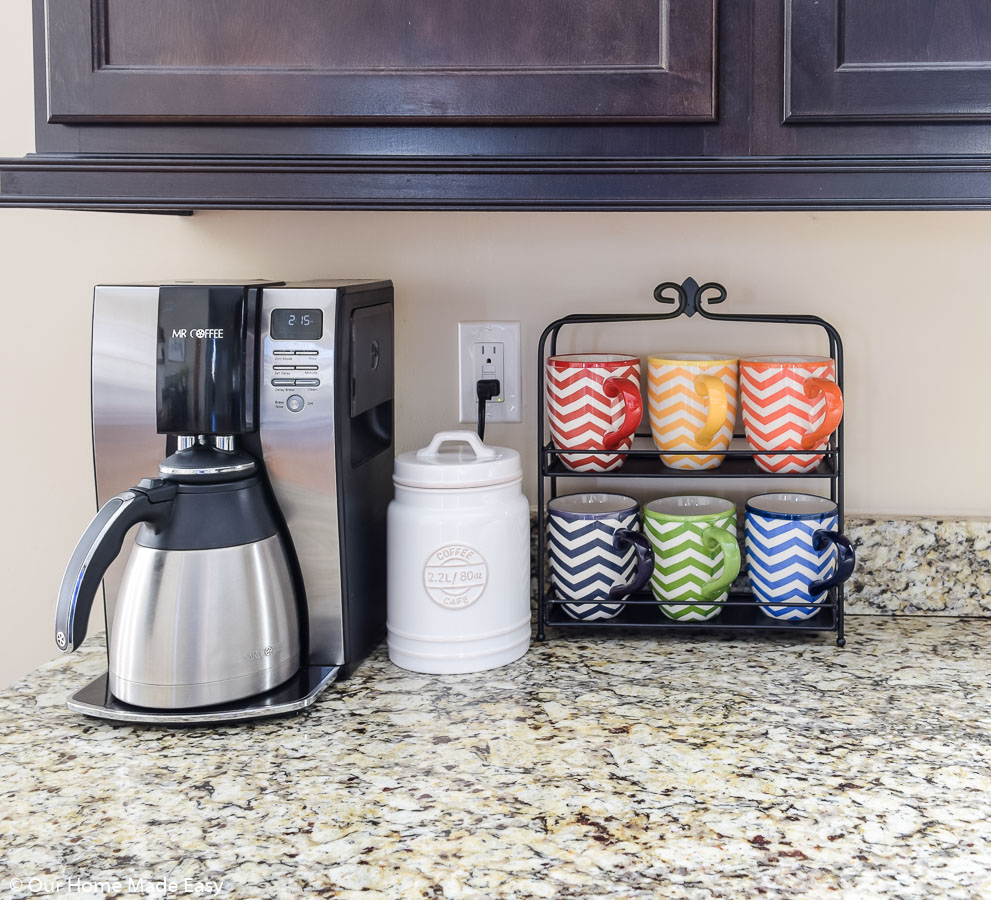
x: 485, y: 389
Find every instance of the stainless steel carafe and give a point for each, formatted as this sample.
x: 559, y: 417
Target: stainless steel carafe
x: 206, y: 612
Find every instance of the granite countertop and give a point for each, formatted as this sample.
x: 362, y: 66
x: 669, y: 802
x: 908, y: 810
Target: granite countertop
x: 684, y: 766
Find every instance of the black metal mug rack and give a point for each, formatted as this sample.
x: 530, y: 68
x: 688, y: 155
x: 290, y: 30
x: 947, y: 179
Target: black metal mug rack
x: 741, y: 612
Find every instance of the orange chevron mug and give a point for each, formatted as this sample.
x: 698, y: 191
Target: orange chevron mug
x: 692, y: 399
x: 593, y: 404
x: 789, y: 403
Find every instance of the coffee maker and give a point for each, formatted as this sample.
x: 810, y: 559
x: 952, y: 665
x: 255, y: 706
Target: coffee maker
x: 266, y: 409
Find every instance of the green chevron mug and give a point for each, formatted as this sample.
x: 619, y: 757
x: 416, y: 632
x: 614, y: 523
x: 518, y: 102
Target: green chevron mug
x: 696, y: 554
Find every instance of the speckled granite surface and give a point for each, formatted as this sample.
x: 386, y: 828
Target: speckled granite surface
x: 921, y: 565
x: 682, y: 767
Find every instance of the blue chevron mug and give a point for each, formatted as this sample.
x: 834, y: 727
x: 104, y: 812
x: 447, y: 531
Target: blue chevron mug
x: 598, y: 556
x: 794, y: 553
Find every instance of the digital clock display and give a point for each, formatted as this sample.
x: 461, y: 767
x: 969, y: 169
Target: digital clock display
x: 297, y: 324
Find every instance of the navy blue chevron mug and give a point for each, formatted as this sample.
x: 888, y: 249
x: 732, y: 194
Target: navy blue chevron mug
x: 794, y: 553
x: 598, y: 555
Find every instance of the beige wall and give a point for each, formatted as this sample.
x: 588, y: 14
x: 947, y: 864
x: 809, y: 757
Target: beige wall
x: 908, y: 292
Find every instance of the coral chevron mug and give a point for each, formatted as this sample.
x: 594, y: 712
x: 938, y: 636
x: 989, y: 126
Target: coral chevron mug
x: 598, y: 555
x: 794, y: 554
x: 692, y: 402
x: 593, y: 404
x: 789, y: 403
x: 696, y: 555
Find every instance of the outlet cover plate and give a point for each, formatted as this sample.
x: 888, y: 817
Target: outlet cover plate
x: 471, y: 336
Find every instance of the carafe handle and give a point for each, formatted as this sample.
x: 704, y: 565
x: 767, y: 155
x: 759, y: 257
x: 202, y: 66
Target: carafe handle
x: 148, y: 501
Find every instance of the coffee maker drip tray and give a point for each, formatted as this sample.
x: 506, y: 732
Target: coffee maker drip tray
x: 295, y: 695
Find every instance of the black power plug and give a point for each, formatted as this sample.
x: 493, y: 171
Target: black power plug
x: 485, y: 389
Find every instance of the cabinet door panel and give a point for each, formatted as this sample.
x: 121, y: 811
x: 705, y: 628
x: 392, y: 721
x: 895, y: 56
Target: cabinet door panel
x: 908, y: 60
x: 331, y: 60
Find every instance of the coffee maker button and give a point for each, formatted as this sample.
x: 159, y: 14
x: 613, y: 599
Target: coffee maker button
x: 307, y: 368
x: 284, y: 368
x: 295, y: 403
x: 283, y: 382
x: 307, y: 382
x: 307, y: 352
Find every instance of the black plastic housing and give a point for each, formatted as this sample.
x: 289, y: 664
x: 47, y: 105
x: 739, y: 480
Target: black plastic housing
x: 205, y: 380
x: 211, y: 516
x: 364, y: 417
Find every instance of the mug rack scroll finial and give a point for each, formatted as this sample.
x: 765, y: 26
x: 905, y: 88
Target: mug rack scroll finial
x: 689, y: 295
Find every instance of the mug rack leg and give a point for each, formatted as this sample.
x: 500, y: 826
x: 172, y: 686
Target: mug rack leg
x: 541, y: 552
x: 543, y: 610
x: 840, y: 638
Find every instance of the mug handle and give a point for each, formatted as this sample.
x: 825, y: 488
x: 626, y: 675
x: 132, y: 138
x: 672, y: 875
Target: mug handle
x: 645, y: 561
x: 712, y: 389
x: 614, y: 386
x: 846, y: 559
x: 715, y: 538
x: 819, y: 387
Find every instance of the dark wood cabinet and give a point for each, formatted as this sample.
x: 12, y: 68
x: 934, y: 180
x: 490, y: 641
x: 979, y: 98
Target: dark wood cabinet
x: 326, y: 61
x: 176, y: 105
x: 881, y: 60
x: 873, y: 78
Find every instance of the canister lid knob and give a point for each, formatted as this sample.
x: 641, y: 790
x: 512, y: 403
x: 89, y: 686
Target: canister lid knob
x: 467, y: 437
x: 446, y: 462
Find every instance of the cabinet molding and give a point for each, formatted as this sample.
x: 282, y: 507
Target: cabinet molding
x: 177, y: 184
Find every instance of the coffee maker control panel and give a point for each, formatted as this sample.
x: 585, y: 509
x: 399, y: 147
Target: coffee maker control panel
x: 295, y: 351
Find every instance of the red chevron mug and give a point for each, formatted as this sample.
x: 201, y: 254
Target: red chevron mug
x: 789, y: 403
x: 593, y: 404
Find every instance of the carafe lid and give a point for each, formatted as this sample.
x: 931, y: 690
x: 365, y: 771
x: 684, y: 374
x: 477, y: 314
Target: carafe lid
x: 457, y: 459
x: 205, y: 463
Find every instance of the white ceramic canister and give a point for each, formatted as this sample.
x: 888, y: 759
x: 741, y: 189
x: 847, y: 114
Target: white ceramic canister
x: 459, y: 557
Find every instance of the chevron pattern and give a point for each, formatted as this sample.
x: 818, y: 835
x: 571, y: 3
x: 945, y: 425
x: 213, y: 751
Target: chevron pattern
x: 682, y: 565
x: 580, y: 413
x: 678, y: 411
x: 783, y: 563
x: 777, y: 413
x: 585, y: 566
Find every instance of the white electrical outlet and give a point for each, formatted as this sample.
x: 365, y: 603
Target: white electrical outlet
x: 488, y: 360
x: 489, y: 350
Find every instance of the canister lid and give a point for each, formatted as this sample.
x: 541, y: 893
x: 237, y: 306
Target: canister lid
x: 457, y: 459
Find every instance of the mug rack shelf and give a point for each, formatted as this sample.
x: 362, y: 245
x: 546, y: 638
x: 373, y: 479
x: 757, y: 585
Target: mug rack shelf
x: 642, y: 612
